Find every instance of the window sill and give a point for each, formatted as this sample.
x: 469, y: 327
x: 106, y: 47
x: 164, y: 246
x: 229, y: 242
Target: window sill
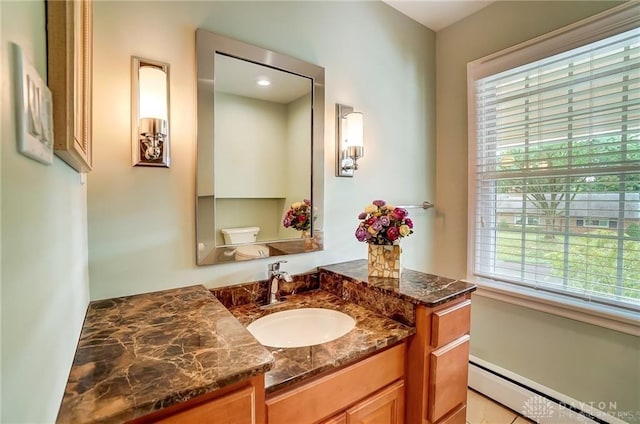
x: 602, y: 316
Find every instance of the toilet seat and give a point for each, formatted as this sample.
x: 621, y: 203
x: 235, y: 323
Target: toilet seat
x: 251, y: 251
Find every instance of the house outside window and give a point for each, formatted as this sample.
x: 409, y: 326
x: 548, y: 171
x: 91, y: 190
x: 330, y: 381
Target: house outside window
x: 531, y: 220
x: 555, y: 165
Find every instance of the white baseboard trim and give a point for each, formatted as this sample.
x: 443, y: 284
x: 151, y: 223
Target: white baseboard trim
x: 535, y: 401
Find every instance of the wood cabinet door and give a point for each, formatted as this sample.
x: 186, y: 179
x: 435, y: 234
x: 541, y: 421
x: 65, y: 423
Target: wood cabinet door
x: 457, y: 417
x: 383, y: 407
x: 332, y: 393
x: 449, y: 372
x: 235, y: 408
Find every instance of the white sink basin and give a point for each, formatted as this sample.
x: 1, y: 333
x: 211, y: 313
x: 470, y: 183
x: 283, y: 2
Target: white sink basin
x: 301, y: 327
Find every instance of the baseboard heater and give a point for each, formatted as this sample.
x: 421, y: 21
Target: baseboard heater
x: 536, y: 402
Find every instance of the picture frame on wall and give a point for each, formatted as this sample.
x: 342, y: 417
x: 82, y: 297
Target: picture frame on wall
x: 34, y: 120
x: 70, y: 58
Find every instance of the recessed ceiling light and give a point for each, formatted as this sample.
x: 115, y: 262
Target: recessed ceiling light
x: 263, y: 82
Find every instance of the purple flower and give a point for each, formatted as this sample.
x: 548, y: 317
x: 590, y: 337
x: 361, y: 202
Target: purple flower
x: 393, y: 233
x: 307, y: 201
x: 409, y: 222
x: 384, y: 220
x: 377, y: 225
x: 361, y: 234
x: 362, y: 215
x: 379, y: 203
x: 286, y: 222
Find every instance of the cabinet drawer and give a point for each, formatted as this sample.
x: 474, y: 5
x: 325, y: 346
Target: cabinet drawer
x: 235, y: 408
x: 448, y: 378
x: 328, y: 395
x: 450, y: 323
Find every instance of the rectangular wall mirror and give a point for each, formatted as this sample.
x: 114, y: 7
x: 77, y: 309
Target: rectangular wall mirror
x: 260, y: 156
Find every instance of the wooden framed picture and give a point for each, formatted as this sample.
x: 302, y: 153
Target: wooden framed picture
x: 69, y: 39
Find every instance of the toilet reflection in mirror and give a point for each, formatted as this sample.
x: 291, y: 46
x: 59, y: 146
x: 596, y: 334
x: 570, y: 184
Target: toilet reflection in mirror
x: 240, y: 237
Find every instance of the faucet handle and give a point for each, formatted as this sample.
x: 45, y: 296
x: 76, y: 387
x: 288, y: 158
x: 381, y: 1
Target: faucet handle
x: 276, y: 266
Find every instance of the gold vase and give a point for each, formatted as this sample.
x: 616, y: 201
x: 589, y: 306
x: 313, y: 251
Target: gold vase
x: 308, y: 240
x: 384, y: 260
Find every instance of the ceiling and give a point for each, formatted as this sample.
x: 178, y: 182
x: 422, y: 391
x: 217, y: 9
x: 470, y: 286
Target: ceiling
x: 438, y: 14
x: 240, y: 77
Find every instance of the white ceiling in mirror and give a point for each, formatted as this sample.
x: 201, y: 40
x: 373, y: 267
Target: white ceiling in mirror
x: 240, y: 77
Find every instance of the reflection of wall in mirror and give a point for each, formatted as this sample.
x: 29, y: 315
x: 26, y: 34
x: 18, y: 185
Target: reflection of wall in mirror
x: 263, y: 213
x: 299, y: 148
x: 250, y: 147
x: 262, y: 152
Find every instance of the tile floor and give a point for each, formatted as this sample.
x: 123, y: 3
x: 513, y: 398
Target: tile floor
x: 482, y: 410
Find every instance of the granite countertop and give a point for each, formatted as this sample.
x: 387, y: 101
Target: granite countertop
x: 138, y: 354
x: 292, y: 365
x: 413, y: 286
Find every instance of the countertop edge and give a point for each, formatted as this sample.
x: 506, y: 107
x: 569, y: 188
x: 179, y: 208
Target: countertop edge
x: 469, y: 287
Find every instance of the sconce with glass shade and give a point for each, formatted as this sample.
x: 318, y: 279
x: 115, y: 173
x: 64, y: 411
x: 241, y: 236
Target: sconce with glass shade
x: 349, y: 140
x: 150, y: 113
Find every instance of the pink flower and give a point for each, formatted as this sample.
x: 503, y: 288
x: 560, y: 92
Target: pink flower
x: 399, y: 213
x: 409, y: 222
x: 379, y: 203
x: 393, y: 233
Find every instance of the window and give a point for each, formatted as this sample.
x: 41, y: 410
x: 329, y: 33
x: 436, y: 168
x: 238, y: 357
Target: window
x: 555, y: 139
x: 602, y: 223
x: 531, y: 220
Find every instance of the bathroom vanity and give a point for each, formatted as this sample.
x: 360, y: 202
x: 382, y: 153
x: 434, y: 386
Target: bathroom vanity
x: 437, y: 355
x: 183, y: 355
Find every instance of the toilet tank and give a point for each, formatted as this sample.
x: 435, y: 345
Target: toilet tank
x: 240, y: 235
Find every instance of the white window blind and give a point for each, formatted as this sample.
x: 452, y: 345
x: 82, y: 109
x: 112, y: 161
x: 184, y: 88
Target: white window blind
x: 556, y: 173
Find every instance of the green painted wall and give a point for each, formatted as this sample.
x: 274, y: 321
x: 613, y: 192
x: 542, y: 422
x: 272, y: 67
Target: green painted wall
x: 586, y: 362
x: 141, y: 220
x: 44, y: 248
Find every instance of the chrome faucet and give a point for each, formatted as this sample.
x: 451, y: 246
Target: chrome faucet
x: 275, y: 275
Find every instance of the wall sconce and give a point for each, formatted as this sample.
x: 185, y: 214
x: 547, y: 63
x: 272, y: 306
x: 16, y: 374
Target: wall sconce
x: 349, y: 140
x: 150, y: 113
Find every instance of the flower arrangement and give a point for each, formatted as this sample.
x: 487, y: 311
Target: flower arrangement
x: 298, y: 216
x: 383, y: 224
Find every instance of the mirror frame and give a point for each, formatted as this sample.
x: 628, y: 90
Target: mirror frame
x: 207, y: 45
